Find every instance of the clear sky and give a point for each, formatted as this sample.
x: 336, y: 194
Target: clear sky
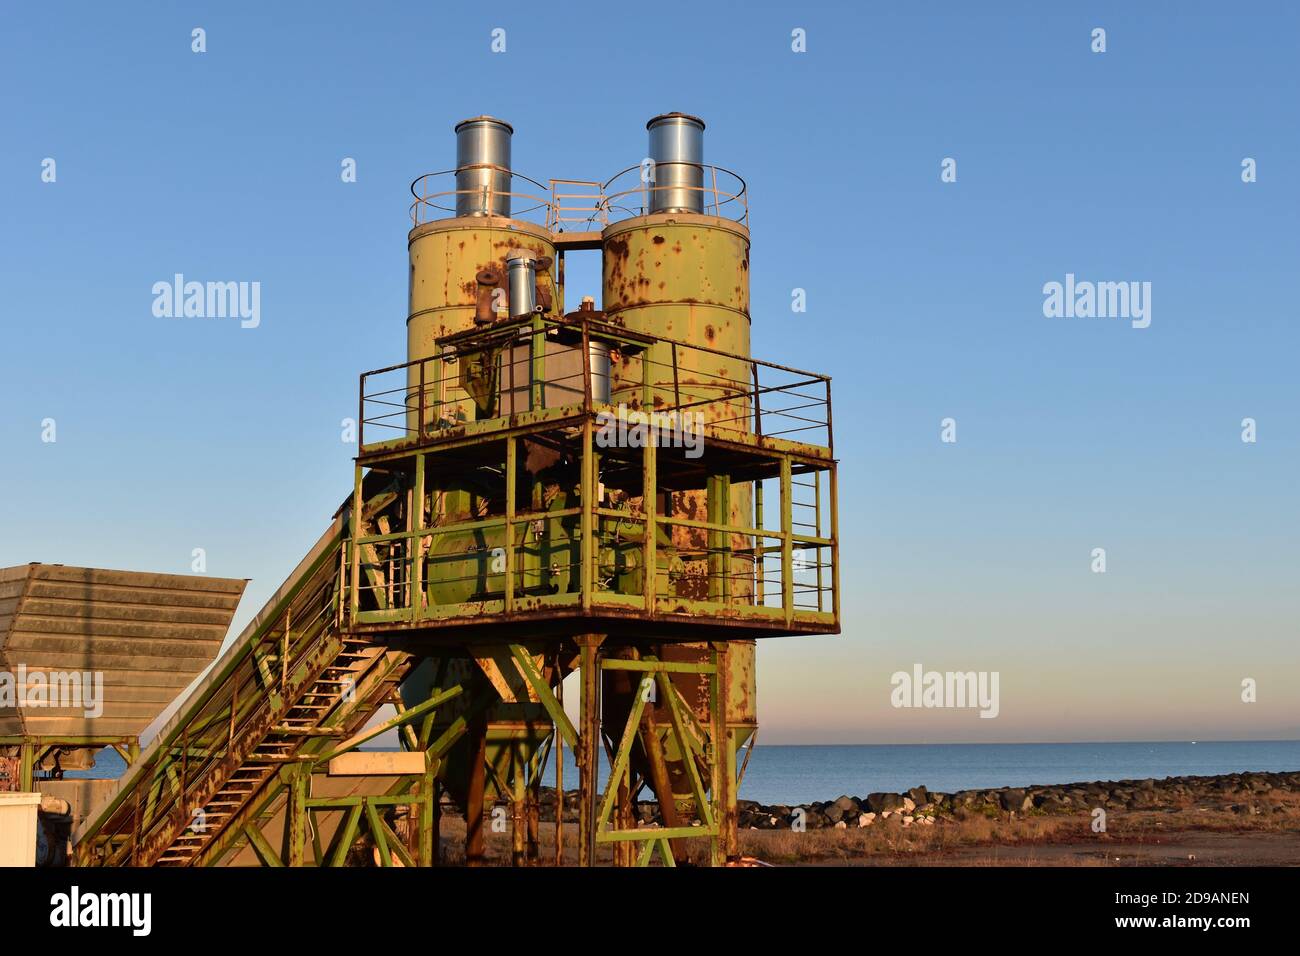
x: 925, y: 302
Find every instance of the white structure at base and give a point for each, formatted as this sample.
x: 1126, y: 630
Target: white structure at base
x: 18, y: 828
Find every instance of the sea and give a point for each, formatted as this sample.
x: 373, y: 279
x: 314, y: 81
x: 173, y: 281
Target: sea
x: 796, y: 774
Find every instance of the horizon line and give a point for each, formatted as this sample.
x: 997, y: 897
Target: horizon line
x: 1047, y: 743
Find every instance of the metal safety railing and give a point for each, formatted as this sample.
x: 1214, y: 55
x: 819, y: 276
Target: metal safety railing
x: 530, y: 200
x: 587, y: 204
x: 502, y: 560
x: 577, y: 202
x: 538, y: 363
x: 720, y: 192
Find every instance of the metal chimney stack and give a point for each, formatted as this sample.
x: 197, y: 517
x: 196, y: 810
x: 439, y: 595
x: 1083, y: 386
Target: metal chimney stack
x: 521, y: 275
x: 677, y: 149
x: 483, y: 167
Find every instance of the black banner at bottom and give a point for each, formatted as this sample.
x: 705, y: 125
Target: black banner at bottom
x: 330, y: 907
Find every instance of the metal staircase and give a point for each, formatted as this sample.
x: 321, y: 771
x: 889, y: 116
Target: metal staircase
x: 290, y: 728
x: 280, y: 696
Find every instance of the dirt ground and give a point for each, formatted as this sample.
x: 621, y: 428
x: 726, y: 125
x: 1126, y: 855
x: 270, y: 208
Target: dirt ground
x: 1161, y: 838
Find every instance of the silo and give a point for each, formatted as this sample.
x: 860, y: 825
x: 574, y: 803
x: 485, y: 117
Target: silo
x: 460, y: 277
x: 679, y: 270
x: 459, y: 264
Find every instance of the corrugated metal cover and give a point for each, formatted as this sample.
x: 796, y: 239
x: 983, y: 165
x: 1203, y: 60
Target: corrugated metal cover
x: 148, y: 634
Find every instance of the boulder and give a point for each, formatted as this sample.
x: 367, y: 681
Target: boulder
x: 1051, y: 802
x: 879, y: 802
x: 1012, y: 799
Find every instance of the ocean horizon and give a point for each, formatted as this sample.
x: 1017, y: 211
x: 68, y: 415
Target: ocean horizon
x: 794, y: 774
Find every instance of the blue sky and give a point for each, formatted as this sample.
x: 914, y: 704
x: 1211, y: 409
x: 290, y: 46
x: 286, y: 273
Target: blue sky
x: 924, y: 302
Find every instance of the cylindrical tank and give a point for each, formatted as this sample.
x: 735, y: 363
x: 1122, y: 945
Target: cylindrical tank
x: 457, y: 268
x: 677, y: 149
x: 521, y: 268
x: 454, y: 262
x: 483, y: 167
x: 598, y: 354
x: 685, y: 276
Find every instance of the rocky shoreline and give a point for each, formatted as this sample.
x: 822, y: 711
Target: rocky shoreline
x: 1249, y: 793
x: 1240, y: 793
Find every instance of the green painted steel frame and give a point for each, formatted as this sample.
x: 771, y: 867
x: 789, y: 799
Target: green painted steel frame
x: 399, y: 793
x: 713, y: 804
x: 415, y: 611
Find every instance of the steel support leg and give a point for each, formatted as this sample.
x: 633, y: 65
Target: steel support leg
x: 26, y: 766
x: 518, y: 812
x: 435, y: 833
x: 475, y: 846
x: 720, y: 767
x: 588, y: 746
x: 296, y: 819
x: 424, y: 821
x: 659, y: 779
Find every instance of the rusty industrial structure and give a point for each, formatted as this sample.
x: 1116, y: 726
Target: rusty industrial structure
x: 616, y: 491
